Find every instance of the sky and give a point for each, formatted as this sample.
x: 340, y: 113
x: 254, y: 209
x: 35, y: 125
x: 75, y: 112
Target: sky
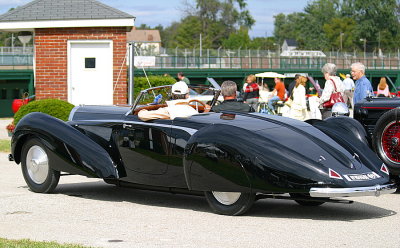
x: 164, y: 12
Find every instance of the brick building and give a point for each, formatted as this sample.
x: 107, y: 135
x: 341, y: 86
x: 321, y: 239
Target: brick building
x: 80, y: 49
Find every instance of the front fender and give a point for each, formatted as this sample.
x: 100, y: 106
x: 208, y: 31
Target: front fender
x: 213, y: 163
x: 69, y: 149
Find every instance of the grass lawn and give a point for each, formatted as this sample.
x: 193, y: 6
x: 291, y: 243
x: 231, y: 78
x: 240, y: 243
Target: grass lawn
x: 5, y: 145
x: 25, y: 243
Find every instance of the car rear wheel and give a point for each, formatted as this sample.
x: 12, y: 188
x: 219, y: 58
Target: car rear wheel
x: 386, y: 138
x: 36, y: 169
x: 306, y: 202
x: 230, y: 203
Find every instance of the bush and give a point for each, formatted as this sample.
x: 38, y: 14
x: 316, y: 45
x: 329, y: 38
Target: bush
x: 142, y: 84
x: 54, y: 107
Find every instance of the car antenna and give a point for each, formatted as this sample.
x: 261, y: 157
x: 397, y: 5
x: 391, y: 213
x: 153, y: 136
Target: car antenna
x: 145, y: 74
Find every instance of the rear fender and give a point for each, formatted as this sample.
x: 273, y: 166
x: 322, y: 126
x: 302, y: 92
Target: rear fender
x: 69, y: 149
x: 350, y: 134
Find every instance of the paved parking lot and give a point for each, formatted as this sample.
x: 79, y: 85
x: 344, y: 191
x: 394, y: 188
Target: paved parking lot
x: 90, y: 212
x: 3, y: 131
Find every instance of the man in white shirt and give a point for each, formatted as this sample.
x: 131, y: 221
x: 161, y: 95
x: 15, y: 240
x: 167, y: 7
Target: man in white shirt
x: 348, y: 90
x: 176, y: 108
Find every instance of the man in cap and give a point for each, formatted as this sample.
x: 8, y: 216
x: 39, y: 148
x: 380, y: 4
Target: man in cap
x: 348, y: 90
x: 178, y: 107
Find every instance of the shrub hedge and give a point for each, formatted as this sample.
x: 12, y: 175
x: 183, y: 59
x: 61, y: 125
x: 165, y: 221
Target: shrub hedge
x: 142, y: 84
x: 54, y: 107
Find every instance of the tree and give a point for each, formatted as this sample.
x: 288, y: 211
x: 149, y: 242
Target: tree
x: 289, y: 27
x: 238, y: 39
x: 324, y: 24
x: 187, y: 33
x: 143, y: 27
x: 215, y: 20
x: 373, y: 18
x: 268, y: 43
x: 340, y: 33
x: 317, y: 13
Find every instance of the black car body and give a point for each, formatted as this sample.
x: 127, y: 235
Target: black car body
x: 233, y: 157
x: 380, y: 119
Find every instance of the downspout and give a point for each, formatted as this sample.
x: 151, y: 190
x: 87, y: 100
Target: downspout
x: 131, y: 74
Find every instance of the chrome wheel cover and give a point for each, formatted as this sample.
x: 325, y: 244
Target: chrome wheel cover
x: 226, y: 198
x: 37, y: 164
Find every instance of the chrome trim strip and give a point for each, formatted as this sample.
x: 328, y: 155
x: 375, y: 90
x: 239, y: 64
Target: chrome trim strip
x: 376, y: 190
x: 190, y: 131
x: 72, y: 113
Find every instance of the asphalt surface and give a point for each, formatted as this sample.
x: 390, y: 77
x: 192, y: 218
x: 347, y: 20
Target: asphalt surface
x: 3, y: 131
x: 90, y: 212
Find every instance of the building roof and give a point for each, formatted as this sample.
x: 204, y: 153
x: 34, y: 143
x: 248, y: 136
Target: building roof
x: 64, y: 14
x: 149, y: 35
x: 291, y: 42
x: 63, y: 10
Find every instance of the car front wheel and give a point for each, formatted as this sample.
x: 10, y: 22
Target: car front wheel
x: 229, y: 203
x: 38, y: 174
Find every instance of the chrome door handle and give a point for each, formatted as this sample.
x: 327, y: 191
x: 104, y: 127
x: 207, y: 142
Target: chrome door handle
x: 127, y: 125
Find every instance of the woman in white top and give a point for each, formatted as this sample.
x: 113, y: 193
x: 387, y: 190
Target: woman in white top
x: 329, y: 71
x: 298, y: 109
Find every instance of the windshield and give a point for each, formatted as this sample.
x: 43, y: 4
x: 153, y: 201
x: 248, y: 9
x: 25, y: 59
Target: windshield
x: 160, y: 95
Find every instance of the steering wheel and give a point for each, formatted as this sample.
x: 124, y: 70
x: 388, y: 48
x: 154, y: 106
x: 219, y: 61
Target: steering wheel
x: 196, y: 106
x: 197, y: 101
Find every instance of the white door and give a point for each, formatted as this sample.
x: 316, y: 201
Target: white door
x: 90, y: 72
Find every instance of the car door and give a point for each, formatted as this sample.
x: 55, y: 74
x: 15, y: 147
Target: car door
x: 145, y: 148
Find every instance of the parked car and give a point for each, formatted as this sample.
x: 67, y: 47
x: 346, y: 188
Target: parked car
x: 380, y: 119
x: 232, y: 158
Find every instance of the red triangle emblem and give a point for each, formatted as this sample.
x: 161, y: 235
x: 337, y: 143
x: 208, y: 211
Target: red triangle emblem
x: 334, y: 174
x: 384, y: 169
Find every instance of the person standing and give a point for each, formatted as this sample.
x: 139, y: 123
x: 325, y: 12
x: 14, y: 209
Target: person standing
x: 383, y: 88
x: 280, y: 91
x: 348, y: 84
x: 292, y: 85
x: 251, y: 92
x: 363, y: 85
x: 333, y: 84
x: 298, y: 108
x: 182, y: 77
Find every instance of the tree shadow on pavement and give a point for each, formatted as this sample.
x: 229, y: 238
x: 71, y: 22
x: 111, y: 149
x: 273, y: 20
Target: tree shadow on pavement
x: 271, y: 208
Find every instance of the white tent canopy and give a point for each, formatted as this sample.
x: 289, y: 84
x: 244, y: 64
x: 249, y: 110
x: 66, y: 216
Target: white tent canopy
x: 270, y: 75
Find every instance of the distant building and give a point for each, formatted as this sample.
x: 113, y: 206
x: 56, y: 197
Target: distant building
x: 289, y: 45
x: 149, y: 39
x: 80, y: 48
x: 289, y: 49
x: 300, y: 53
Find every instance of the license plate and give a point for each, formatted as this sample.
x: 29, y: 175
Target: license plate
x: 362, y: 177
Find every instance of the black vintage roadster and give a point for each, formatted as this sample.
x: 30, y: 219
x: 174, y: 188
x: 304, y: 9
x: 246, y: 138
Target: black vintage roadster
x: 232, y: 158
